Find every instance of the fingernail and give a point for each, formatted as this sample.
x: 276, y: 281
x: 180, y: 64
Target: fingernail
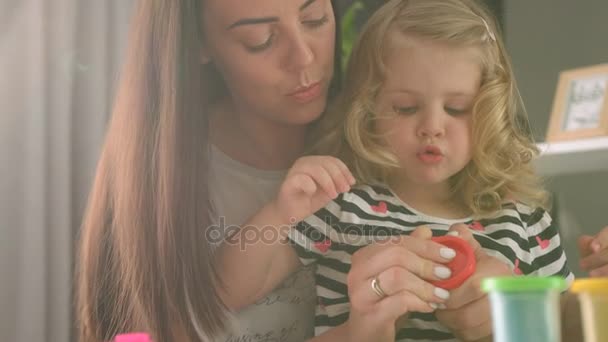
x: 441, y: 306
x: 442, y: 272
x: 441, y: 293
x: 447, y: 253
x: 595, y: 246
x: 433, y: 305
x: 453, y: 233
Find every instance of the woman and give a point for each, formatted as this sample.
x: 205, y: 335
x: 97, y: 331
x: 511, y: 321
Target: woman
x: 213, y: 106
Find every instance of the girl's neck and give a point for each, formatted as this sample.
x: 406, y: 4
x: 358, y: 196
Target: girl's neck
x: 434, y: 200
x: 254, y: 140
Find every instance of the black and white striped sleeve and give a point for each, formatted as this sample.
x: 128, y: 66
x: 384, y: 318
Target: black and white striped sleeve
x: 549, y: 258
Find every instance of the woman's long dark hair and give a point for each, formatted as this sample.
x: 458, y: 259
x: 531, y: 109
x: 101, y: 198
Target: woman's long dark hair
x: 144, y: 263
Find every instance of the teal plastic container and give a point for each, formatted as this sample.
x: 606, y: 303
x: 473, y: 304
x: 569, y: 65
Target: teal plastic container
x: 524, y: 308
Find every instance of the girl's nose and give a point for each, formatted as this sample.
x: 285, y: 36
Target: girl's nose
x: 431, y: 126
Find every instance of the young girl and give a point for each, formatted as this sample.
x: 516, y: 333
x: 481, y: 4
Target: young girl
x: 429, y: 122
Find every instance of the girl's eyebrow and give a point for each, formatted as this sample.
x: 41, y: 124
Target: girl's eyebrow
x: 264, y: 20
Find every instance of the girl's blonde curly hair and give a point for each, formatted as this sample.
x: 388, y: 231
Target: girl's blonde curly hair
x: 503, y: 148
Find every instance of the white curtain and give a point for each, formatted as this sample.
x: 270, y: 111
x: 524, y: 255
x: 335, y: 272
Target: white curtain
x: 59, y: 61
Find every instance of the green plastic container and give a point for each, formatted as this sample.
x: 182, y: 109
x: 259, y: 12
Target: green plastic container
x: 525, y: 308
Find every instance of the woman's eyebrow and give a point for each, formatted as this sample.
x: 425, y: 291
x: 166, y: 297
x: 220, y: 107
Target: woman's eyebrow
x: 264, y: 20
x: 252, y: 21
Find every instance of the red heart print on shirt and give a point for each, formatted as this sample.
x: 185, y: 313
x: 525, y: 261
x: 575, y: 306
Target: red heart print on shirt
x: 323, y: 246
x: 542, y: 243
x: 517, y: 270
x: 477, y: 226
x: 380, y: 208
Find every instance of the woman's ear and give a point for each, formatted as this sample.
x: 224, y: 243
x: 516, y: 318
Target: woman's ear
x: 204, y: 55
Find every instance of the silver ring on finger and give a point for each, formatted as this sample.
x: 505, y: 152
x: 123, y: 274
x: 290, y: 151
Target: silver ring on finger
x: 377, y: 289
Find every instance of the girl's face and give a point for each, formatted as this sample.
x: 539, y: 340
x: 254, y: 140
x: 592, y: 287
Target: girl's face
x: 425, y: 108
x: 276, y: 56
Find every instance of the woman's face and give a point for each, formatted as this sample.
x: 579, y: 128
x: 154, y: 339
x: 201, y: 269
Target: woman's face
x: 276, y: 56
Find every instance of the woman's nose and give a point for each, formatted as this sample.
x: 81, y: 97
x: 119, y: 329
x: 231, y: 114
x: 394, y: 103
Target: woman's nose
x: 300, y: 53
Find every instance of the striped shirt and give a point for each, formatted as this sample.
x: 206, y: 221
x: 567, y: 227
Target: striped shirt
x: 520, y: 236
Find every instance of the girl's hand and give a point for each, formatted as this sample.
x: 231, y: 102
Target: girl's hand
x: 468, y: 309
x: 401, y: 265
x: 594, y: 253
x: 310, y: 184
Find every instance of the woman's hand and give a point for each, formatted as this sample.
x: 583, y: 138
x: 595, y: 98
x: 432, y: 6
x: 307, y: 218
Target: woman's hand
x: 401, y: 266
x: 594, y: 253
x: 310, y: 184
x: 468, y: 309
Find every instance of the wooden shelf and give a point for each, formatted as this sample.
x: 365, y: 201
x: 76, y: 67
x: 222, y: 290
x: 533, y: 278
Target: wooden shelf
x: 576, y: 156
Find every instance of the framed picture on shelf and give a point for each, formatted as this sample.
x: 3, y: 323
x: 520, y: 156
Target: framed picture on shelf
x: 580, y: 106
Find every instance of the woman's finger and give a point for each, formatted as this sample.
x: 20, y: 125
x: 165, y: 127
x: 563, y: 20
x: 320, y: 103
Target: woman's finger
x: 417, y: 256
x: 396, y: 280
x: 395, y: 306
x: 464, y: 232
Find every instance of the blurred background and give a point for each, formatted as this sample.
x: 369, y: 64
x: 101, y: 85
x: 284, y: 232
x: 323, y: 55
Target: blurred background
x: 59, y: 62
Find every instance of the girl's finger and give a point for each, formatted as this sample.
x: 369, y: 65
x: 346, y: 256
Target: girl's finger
x: 304, y: 183
x: 347, y: 174
x: 320, y: 175
x: 342, y: 184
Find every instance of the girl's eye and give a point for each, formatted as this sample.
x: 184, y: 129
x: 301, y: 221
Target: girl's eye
x: 405, y: 110
x: 317, y: 22
x: 261, y: 47
x: 455, y: 111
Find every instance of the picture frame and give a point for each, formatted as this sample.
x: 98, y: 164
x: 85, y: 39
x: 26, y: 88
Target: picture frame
x: 580, y: 106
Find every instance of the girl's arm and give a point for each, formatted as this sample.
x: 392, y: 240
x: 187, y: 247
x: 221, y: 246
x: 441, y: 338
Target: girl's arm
x: 252, y: 262
x: 251, y: 265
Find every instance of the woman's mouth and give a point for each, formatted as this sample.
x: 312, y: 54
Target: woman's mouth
x: 306, y: 94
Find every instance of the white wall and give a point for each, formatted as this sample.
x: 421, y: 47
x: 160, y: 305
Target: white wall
x: 545, y: 37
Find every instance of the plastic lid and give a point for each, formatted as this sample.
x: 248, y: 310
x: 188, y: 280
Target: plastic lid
x: 463, y: 264
x: 523, y: 284
x: 590, y: 285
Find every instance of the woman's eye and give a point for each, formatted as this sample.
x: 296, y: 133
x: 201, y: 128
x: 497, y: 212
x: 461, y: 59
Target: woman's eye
x: 317, y: 22
x: 455, y: 111
x: 261, y: 47
x: 405, y: 110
